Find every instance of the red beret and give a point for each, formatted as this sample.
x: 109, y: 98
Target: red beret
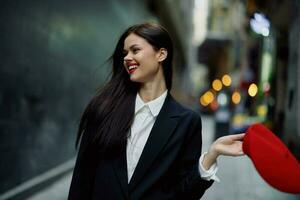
x: 272, y: 159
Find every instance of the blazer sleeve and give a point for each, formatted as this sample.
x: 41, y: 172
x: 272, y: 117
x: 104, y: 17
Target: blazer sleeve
x: 190, y: 185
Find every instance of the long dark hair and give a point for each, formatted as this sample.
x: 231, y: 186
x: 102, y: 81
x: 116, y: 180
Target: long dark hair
x: 109, y: 115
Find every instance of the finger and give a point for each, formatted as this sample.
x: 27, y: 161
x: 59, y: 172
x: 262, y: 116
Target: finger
x: 238, y: 136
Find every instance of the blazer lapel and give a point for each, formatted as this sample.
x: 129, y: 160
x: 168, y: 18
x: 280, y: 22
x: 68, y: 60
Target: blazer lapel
x: 162, y: 129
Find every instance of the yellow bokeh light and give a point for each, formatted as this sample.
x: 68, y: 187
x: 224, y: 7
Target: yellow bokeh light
x: 262, y: 110
x: 217, y: 85
x: 226, y: 80
x: 239, y: 119
x: 252, y: 91
x: 202, y: 102
x: 236, y: 97
x: 208, y: 97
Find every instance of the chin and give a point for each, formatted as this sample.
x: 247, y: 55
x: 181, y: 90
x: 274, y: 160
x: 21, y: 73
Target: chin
x: 136, y: 79
x: 133, y: 78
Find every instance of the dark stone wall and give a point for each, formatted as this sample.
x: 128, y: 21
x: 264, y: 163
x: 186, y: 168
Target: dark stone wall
x: 52, y: 58
x: 291, y: 134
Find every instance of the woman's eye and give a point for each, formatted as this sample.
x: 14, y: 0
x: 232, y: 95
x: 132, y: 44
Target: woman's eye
x: 135, y: 50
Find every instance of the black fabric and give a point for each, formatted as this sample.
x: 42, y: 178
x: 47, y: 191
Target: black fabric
x: 167, y: 169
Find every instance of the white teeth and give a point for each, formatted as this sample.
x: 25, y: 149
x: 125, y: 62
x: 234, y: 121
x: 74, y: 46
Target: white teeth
x: 132, y: 67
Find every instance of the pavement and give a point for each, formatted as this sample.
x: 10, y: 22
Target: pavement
x: 238, y: 179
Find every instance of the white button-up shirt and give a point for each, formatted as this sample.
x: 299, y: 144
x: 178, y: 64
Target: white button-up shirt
x: 144, y: 117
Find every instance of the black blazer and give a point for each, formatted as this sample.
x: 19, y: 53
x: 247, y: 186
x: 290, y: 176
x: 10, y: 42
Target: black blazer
x: 167, y: 169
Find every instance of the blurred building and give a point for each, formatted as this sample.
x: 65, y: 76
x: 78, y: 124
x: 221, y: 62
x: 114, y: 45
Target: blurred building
x: 277, y: 51
x: 257, y: 44
x: 176, y: 16
x: 283, y: 104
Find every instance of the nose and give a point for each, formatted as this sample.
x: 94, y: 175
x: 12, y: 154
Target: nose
x: 127, y: 57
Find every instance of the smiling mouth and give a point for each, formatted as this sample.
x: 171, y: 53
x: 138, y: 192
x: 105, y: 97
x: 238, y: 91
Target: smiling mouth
x: 132, y: 68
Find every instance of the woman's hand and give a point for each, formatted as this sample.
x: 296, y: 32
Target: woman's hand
x: 230, y: 145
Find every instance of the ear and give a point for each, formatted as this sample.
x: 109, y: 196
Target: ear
x: 162, y: 54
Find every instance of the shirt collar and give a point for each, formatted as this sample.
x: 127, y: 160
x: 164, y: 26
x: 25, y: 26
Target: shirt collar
x: 154, y: 105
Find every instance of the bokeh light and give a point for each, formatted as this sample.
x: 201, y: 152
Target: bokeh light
x: 262, y: 110
x: 217, y: 85
x: 208, y: 97
x: 236, y: 97
x: 226, y: 80
x: 222, y: 99
x: 252, y: 91
x: 203, y: 102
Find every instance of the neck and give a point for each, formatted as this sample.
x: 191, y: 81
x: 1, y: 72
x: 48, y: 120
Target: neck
x: 151, y: 91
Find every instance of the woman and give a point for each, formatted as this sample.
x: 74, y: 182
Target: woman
x: 137, y: 142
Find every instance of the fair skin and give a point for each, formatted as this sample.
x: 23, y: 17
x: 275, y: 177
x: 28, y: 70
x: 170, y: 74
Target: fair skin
x: 230, y: 145
x: 139, y: 53
x: 143, y: 64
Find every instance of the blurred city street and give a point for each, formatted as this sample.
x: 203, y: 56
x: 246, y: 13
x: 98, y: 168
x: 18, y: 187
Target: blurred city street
x: 235, y: 62
x: 239, y: 179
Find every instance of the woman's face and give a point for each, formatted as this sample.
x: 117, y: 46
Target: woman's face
x: 141, y: 60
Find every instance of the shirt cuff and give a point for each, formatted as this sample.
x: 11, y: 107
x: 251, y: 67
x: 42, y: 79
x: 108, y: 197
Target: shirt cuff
x: 209, y: 174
